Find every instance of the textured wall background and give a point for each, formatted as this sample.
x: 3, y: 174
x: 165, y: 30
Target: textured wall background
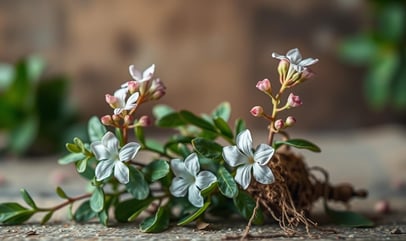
x: 205, y: 51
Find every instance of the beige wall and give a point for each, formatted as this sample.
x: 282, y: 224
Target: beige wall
x: 205, y: 51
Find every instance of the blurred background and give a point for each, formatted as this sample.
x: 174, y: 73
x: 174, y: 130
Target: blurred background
x: 59, y: 58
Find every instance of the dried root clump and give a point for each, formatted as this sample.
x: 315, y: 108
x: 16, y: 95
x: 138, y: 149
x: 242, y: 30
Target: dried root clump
x: 290, y: 198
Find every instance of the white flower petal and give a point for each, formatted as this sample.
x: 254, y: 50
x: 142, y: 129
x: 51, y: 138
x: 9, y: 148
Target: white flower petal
x: 308, y: 61
x: 294, y: 56
x: 121, y: 172
x: 148, y: 73
x: 278, y: 56
x: 205, y: 179
x: 263, y: 154
x: 192, y: 164
x: 243, y: 175
x: 129, y: 151
x: 117, y: 111
x: 104, y: 169
x: 195, y: 197
x: 135, y: 74
x: 179, y: 169
x: 244, y: 142
x: 263, y: 174
x: 233, y: 156
x: 121, y: 94
x: 179, y: 187
x: 100, y: 151
x: 111, y: 143
x: 131, y: 102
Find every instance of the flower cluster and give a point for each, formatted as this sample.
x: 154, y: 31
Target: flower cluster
x: 193, y: 170
x: 292, y: 70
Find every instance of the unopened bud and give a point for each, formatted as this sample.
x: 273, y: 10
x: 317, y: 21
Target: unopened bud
x: 145, y: 121
x: 106, y: 120
x: 283, y: 68
x: 116, y: 118
x: 111, y: 100
x: 257, y: 111
x: 128, y: 120
x: 290, y: 121
x: 279, y: 124
x: 132, y: 86
x: 264, y: 86
x: 305, y: 75
x: 294, y: 100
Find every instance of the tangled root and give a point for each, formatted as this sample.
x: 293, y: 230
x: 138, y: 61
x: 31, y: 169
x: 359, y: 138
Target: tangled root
x: 290, y: 198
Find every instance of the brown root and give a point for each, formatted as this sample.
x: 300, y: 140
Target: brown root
x: 290, y: 198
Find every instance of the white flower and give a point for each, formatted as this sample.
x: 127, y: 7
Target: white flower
x: 122, y: 104
x: 295, y: 59
x: 189, y: 180
x: 243, y: 156
x: 144, y: 76
x: 107, y: 152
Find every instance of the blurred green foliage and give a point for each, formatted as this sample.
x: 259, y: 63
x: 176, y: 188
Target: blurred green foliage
x: 382, y: 49
x: 35, y: 116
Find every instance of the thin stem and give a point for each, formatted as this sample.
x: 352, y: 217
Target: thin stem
x: 67, y: 202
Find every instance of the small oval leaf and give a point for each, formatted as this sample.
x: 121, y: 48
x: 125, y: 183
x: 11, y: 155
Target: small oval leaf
x: 226, y: 183
x: 137, y: 186
x: 194, y: 215
x: 61, y: 193
x: 348, y: 218
x: 95, y: 129
x: 28, y: 199
x: 97, y: 200
x: 298, y: 143
x: 157, y: 223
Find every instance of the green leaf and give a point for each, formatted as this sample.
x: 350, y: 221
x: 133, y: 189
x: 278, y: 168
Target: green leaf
x: 348, y: 218
x: 14, y: 213
x: 194, y: 215
x: 391, y: 19
x: 79, y: 143
x: 226, y: 183
x: 46, y: 218
x: 207, y: 148
x: 24, y: 135
x: 298, y: 143
x: 81, y: 165
x: 196, y: 120
x: 96, y: 129
x: 97, y: 200
x: 222, y: 111
x: 27, y: 198
x: 61, y: 193
x: 139, y: 133
x: 7, y: 75
x: 84, y: 212
x: 129, y: 210
x: 103, y: 217
x: 154, y: 146
x: 160, y: 111
x: 156, y: 170
x: 171, y: 120
x: 359, y: 49
x: 157, y: 223
x: 239, y: 126
x: 73, y: 148
x: 72, y: 157
x: 245, y: 206
x: 222, y: 125
x: 137, y: 186
x: 35, y: 67
x: 208, y: 190
x: 379, y: 79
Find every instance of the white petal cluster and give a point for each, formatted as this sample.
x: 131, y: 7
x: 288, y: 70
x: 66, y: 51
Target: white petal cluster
x: 188, y: 180
x: 295, y: 59
x: 111, y: 157
x: 123, y: 103
x: 247, y: 160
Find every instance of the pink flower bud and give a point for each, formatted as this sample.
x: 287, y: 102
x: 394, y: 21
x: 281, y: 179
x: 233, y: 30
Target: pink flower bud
x: 128, y: 120
x: 107, y: 120
x: 257, y: 111
x: 279, y: 124
x: 264, y: 85
x: 145, y: 121
x: 294, y: 100
x: 133, y: 86
x: 306, y: 74
x: 111, y: 100
x: 116, y: 118
x: 290, y: 121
